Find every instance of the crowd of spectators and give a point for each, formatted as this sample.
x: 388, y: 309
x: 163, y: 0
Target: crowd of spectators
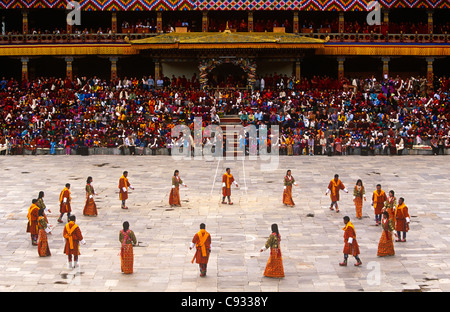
x: 219, y: 24
x: 318, y: 115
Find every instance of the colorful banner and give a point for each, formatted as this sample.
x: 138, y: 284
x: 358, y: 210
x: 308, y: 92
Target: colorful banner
x: 223, y: 5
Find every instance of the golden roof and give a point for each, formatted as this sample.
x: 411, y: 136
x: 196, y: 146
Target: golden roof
x: 226, y: 39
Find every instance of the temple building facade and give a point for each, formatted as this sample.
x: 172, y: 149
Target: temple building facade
x: 216, y: 40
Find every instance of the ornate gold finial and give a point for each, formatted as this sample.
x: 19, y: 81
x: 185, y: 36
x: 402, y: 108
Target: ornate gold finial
x: 227, y: 29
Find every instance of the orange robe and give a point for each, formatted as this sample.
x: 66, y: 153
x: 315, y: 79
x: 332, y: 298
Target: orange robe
x: 33, y: 216
x: 127, y: 239
x: 73, y: 236
x: 349, y: 232
x: 378, y: 201
x: 202, y: 241
x: 359, y: 196
x: 43, y: 248
x: 401, y: 213
x: 228, y: 179
x: 90, y: 208
x: 390, y: 205
x: 274, y: 266
x: 123, y: 183
x: 287, y: 193
x: 386, y: 244
x: 174, y: 196
x: 335, y: 187
x: 64, y: 207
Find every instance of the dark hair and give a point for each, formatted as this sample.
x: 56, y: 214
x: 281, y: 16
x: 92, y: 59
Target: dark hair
x: 41, y: 194
x: 175, y: 172
x: 288, y: 171
x: 67, y: 184
x: 386, y: 214
x: 378, y: 185
x: 126, y: 225
x: 227, y: 169
x: 202, y: 226
x: 391, y: 191
x: 125, y: 172
x: 34, y: 201
x: 359, y: 180
x: 72, y: 218
x: 336, y: 175
x: 346, y: 218
x: 275, y: 229
x: 89, y: 180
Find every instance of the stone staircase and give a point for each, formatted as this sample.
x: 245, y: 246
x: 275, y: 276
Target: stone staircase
x: 233, y: 137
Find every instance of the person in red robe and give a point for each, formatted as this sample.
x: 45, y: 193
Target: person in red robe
x: 402, y: 220
x: 124, y: 184
x: 64, y: 203
x: 351, y: 246
x: 202, y: 243
x: 32, y: 224
x: 333, y: 189
x: 73, y: 237
x: 227, y: 180
x: 378, y: 199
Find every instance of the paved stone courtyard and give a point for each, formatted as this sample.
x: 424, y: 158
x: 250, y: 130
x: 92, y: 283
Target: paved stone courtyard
x: 312, y: 236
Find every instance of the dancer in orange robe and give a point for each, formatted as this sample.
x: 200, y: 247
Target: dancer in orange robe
x: 274, y: 266
x: 287, y: 193
x: 333, y: 189
x: 43, y: 248
x: 386, y: 244
x: 359, y: 193
x: 124, y: 184
x: 174, y: 196
x: 378, y: 199
x: 402, y: 220
x: 202, y: 242
x: 351, y: 246
x: 64, y: 203
x: 127, y: 239
x: 90, y: 208
x: 32, y: 224
x: 227, y: 180
x: 73, y: 238
x: 390, y: 205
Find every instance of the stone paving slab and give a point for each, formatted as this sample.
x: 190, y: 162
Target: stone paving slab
x: 312, y: 240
